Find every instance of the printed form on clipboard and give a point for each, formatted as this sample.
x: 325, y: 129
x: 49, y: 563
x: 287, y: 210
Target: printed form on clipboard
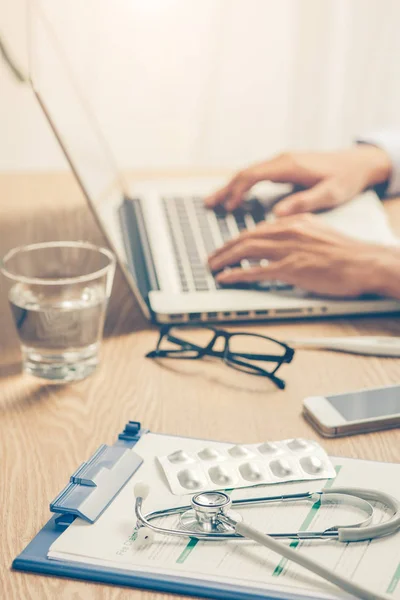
x: 249, y: 567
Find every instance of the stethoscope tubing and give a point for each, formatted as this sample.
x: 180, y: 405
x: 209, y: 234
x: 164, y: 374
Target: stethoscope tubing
x: 355, y: 534
x: 301, y: 559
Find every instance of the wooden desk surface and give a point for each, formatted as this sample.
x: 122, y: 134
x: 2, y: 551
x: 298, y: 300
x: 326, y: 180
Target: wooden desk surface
x: 47, y: 431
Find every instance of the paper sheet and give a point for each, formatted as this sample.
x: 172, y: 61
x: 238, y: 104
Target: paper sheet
x: 364, y: 218
x: 111, y: 540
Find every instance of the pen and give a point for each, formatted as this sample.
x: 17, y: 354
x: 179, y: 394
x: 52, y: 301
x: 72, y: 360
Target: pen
x: 370, y: 345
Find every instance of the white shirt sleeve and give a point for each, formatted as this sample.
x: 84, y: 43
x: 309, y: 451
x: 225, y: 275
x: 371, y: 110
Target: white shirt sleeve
x: 390, y: 142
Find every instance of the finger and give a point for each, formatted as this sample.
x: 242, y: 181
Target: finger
x: 252, y: 275
x: 325, y: 194
x: 232, y: 194
x: 218, y: 197
x: 238, y: 191
x: 250, y: 248
x: 277, y: 230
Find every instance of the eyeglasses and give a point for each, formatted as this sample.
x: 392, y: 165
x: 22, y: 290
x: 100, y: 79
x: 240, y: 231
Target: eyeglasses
x: 247, y: 352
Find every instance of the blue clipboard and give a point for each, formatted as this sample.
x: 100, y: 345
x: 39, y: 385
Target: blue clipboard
x: 90, y: 490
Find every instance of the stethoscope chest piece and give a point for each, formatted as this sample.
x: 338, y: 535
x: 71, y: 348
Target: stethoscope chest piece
x: 204, y: 516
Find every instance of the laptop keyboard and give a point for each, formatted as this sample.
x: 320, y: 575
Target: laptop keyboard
x: 196, y: 232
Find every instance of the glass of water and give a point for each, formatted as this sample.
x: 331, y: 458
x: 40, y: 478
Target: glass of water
x: 58, y: 299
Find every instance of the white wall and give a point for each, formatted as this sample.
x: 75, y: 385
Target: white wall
x: 210, y: 82
x: 25, y: 139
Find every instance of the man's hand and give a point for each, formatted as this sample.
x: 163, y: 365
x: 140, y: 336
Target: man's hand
x: 331, y: 178
x: 304, y: 252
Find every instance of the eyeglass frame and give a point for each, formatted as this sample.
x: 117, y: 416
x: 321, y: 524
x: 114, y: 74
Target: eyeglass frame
x: 228, y: 360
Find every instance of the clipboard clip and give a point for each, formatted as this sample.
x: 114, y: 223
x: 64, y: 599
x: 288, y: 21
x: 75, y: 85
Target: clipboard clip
x: 97, y: 481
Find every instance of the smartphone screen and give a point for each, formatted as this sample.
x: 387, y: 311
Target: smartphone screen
x: 357, y: 406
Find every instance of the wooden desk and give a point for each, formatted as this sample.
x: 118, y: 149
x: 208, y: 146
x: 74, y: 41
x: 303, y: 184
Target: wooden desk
x: 47, y: 431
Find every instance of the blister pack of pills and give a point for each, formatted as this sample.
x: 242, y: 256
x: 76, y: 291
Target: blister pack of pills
x: 223, y: 466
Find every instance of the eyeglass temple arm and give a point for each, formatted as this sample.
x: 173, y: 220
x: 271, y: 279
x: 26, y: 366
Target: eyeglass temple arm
x: 179, y: 342
x: 277, y: 380
x: 266, y: 357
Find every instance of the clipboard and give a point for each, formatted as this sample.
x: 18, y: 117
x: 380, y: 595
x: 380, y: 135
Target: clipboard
x: 90, y: 490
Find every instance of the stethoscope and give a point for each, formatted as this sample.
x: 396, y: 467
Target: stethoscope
x: 210, y: 517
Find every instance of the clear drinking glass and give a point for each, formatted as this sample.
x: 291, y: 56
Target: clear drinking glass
x: 58, y: 299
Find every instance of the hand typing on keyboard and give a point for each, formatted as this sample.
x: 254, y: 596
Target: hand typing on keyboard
x: 304, y: 252
x: 330, y: 178
x: 299, y: 248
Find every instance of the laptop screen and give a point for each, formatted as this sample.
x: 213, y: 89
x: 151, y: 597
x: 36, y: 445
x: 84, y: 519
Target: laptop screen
x: 77, y: 131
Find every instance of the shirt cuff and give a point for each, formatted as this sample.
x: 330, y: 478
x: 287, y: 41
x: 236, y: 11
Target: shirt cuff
x: 389, y: 141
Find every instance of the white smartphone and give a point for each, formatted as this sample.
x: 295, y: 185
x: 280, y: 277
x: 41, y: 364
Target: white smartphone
x: 355, y: 412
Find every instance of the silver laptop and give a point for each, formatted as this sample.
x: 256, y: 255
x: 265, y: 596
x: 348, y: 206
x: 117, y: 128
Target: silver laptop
x: 160, y: 230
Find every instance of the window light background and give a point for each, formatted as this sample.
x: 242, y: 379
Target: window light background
x: 210, y: 83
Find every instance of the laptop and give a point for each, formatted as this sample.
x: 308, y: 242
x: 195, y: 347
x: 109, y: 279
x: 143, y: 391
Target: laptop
x: 160, y: 229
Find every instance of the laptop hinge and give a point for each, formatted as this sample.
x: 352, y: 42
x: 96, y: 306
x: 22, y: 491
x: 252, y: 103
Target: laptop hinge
x: 137, y: 246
